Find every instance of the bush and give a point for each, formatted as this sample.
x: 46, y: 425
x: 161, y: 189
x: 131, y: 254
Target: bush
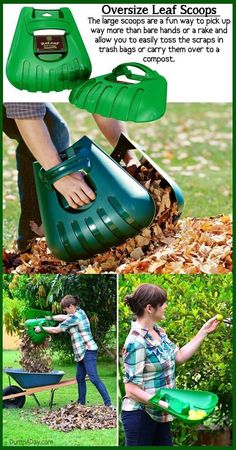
x: 192, y: 300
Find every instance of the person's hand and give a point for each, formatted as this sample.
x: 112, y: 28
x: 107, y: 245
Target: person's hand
x: 209, y: 326
x: 37, y: 329
x: 75, y: 190
x: 48, y: 317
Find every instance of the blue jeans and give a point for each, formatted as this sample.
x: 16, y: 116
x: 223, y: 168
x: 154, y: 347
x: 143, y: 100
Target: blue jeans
x: 24, y: 159
x: 88, y: 366
x: 141, y: 430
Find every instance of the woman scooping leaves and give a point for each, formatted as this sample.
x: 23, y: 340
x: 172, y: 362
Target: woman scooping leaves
x: 76, y: 322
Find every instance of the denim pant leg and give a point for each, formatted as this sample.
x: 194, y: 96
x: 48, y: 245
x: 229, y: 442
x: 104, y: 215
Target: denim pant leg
x: 57, y: 128
x: 141, y: 430
x: 27, y: 192
x: 163, y: 435
x: 80, y: 378
x: 90, y: 363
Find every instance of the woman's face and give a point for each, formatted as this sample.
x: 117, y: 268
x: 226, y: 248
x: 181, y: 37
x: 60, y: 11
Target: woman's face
x: 71, y: 309
x: 159, y: 312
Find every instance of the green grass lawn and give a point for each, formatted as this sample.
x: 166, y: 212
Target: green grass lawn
x: 192, y: 142
x: 20, y: 427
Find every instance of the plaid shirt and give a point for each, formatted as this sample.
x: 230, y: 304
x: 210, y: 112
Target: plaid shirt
x: 150, y: 365
x: 25, y: 110
x: 81, y: 337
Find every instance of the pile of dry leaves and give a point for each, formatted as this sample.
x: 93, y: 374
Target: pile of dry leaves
x: 35, y: 358
x: 81, y: 417
x: 189, y: 245
x: 201, y: 245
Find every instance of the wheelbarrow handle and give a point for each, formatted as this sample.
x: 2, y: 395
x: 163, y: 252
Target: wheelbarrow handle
x: 71, y: 165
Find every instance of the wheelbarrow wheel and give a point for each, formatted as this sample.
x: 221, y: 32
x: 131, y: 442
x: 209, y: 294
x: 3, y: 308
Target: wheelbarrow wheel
x: 17, y: 402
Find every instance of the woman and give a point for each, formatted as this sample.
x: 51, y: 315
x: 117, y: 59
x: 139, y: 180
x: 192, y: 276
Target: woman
x: 85, y: 348
x: 149, y: 360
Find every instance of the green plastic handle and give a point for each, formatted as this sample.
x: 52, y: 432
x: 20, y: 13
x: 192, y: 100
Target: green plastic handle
x: 42, y: 13
x: 71, y: 165
x: 122, y: 69
x: 47, y: 23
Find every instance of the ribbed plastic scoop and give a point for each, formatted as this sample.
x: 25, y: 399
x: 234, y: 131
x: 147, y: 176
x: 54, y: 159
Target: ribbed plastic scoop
x: 106, y: 95
x: 47, y: 62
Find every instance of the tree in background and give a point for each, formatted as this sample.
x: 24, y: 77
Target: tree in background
x: 192, y: 300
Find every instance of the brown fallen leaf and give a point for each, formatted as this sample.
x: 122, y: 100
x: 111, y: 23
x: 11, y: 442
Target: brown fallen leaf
x: 137, y: 253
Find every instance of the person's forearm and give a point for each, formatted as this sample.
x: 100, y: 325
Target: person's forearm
x: 188, y: 350
x: 37, y: 138
x: 59, y: 317
x: 52, y: 330
x: 110, y: 128
x: 136, y: 393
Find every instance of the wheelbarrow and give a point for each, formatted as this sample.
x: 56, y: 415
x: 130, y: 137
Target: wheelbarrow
x: 30, y: 384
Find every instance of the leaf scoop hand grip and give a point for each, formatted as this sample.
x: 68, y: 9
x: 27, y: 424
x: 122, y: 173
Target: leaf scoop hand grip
x: 74, y: 164
x: 123, y: 69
